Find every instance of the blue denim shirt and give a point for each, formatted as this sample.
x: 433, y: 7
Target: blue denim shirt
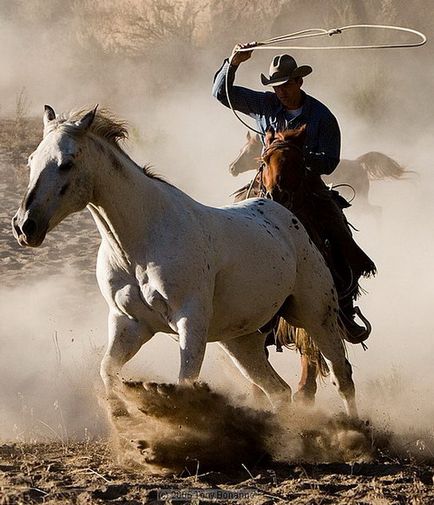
x: 323, y: 137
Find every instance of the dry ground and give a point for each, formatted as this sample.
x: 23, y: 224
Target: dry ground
x: 88, y: 472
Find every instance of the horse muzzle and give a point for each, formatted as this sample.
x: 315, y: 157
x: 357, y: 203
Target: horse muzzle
x: 278, y: 195
x: 233, y: 169
x: 27, y: 231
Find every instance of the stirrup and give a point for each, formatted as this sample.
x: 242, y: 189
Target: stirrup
x: 364, y: 320
x: 354, y: 333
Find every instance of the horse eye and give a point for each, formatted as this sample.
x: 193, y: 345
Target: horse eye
x: 66, y: 166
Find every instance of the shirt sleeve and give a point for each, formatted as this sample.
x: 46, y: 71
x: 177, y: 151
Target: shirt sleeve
x: 242, y: 99
x: 327, y: 158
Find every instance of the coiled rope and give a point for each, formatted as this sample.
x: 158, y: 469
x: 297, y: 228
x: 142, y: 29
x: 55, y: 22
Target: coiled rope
x: 274, y: 43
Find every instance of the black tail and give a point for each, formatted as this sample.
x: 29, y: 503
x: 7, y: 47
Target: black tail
x: 379, y: 166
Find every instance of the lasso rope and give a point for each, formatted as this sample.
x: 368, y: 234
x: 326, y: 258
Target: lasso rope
x: 272, y: 44
x: 320, y: 32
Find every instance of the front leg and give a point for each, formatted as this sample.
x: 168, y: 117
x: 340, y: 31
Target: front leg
x: 192, y: 328
x: 126, y: 337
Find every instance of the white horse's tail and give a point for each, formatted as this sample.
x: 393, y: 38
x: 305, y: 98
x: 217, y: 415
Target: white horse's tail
x: 379, y: 166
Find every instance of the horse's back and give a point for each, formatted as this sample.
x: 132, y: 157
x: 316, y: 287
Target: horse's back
x: 267, y: 218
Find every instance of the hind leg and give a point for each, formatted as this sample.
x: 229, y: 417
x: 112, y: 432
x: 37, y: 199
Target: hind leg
x: 248, y: 354
x: 317, y: 316
x: 327, y: 338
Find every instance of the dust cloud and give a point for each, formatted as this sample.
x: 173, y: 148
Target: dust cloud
x: 173, y: 428
x: 53, y: 328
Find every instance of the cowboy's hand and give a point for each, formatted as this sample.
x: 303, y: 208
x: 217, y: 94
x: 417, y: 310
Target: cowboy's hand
x: 238, y: 56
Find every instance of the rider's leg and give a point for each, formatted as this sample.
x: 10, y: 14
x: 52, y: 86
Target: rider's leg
x: 347, y: 261
x: 336, y: 227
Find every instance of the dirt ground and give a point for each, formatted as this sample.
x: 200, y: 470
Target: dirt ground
x: 90, y: 471
x: 87, y: 473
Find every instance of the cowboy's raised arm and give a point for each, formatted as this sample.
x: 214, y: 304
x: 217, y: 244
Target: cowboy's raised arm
x: 242, y: 99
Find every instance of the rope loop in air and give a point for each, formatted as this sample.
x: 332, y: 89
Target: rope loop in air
x: 275, y: 44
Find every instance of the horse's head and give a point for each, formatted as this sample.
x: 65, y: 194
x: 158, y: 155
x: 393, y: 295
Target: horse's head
x: 284, y: 163
x: 59, y: 182
x: 250, y: 152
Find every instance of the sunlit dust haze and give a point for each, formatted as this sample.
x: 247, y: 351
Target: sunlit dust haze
x: 152, y: 63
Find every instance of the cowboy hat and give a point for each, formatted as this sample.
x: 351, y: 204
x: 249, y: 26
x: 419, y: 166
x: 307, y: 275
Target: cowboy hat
x: 282, y: 69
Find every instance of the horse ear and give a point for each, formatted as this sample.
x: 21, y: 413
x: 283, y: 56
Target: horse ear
x: 87, y: 119
x: 49, y: 114
x: 248, y: 135
x: 269, y: 136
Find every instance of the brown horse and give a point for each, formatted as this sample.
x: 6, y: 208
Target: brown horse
x: 358, y: 173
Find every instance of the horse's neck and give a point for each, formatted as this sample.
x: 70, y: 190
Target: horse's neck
x: 120, y: 196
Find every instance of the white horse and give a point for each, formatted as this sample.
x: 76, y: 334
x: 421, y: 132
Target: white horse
x: 170, y: 264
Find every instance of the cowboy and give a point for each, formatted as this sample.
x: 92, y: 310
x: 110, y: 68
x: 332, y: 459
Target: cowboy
x: 287, y: 107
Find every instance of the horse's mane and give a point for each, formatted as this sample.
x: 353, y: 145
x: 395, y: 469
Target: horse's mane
x: 104, y: 125
x: 291, y: 134
x: 280, y: 140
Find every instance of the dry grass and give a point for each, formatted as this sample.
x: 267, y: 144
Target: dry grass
x: 20, y: 135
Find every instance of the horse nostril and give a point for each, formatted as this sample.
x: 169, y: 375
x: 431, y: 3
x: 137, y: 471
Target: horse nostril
x: 29, y: 227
